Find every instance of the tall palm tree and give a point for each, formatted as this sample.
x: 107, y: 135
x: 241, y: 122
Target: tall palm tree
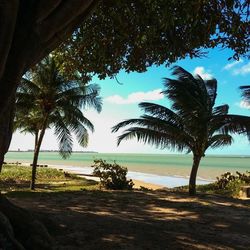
x: 194, y: 123
x: 48, y: 99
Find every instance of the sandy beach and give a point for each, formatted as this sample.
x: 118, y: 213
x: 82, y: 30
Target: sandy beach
x: 139, y: 184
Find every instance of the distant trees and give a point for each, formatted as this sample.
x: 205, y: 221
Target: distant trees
x: 46, y: 99
x: 194, y: 124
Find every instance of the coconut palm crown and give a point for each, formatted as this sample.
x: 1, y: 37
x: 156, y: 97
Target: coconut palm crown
x: 193, y: 123
x: 48, y: 99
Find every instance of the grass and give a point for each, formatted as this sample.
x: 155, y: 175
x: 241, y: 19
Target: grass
x: 15, y: 179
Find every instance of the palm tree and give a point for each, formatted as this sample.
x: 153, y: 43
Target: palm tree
x: 47, y: 99
x: 194, y: 123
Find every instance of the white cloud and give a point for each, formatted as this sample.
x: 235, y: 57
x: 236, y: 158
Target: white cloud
x: 231, y: 65
x: 136, y: 97
x: 243, y: 70
x: 202, y: 73
x: 244, y: 104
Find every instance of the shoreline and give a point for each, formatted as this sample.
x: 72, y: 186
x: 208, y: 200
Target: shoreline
x: 147, y: 180
x: 161, y: 165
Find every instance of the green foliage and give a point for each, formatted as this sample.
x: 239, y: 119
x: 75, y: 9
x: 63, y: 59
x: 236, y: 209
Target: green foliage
x: 228, y: 179
x: 227, y: 184
x: 135, y: 34
x: 112, y: 176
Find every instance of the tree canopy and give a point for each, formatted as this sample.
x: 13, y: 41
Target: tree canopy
x: 135, y: 34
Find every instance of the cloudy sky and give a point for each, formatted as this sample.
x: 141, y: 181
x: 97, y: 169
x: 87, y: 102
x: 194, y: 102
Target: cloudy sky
x: 120, y: 101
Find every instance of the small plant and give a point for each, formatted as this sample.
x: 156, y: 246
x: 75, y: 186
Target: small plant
x: 112, y: 176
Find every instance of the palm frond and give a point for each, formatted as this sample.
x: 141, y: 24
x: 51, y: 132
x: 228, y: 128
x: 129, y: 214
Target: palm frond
x: 159, y: 139
x: 220, y: 140
x: 64, y: 138
x: 160, y: 111
x: 236, y: 124
x: 167, y: 129
x: 81, y: 134
x: 245, y: 92
x: 221, y: 110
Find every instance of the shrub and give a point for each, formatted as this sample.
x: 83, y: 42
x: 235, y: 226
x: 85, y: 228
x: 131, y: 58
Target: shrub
x: 231, y: 183
x: 228, y: 178
x: 112, y: 176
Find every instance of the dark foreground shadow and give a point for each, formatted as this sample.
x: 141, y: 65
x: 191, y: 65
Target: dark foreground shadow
x: 141, y: 220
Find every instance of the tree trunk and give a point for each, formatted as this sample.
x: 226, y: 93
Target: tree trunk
x: 36, y: 138
x: 6, y: 128
x: 39, y: 139
x: 192, y: 179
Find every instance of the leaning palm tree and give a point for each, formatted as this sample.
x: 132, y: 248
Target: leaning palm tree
x: 47, y: 99
x: 194, y: 123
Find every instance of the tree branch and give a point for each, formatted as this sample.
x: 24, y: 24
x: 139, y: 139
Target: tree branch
x: 61, y: 17
x: 58, y: 37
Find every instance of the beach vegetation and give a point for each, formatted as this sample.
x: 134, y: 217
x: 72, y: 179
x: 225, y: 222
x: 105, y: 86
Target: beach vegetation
x: 46, y: 99
x: 193, y: 124
x: 227, y: 184
x: 112, y: 176
x: 225, y: 179
x: 16, y: 178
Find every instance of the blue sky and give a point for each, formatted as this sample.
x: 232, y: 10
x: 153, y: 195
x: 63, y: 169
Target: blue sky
x: 121, y: 102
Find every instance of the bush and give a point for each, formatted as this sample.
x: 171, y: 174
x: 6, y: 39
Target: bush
x: 112, y: 176
x: 228, y: 178
x: 231, y: 183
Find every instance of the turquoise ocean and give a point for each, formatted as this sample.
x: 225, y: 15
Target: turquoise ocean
x: 162, y: 169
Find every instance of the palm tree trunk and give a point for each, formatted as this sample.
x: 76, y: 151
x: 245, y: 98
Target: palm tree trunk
x: 192, y: 179
x: 38, y: 139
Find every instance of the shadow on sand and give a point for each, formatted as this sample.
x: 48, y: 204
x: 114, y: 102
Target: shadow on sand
x: 141, y: 220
